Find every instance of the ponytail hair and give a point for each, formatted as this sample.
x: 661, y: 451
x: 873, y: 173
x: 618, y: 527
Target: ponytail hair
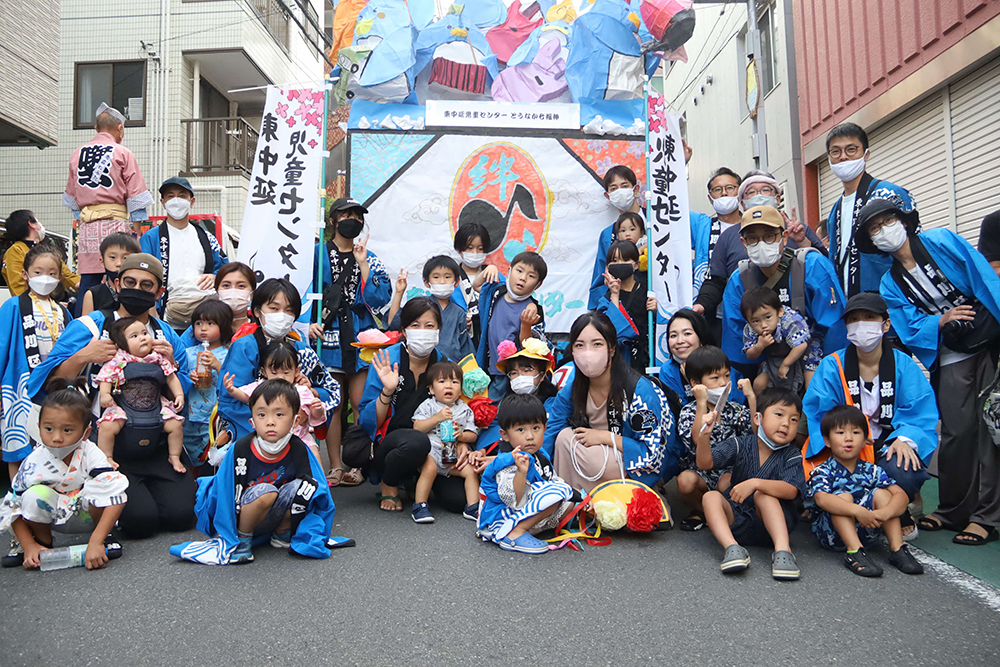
x: 69, y: 394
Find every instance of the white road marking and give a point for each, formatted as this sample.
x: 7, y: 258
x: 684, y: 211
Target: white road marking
x: 977, y: 588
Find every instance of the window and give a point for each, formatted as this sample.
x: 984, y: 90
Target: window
x: 120, y: 84
x: 766, y: 63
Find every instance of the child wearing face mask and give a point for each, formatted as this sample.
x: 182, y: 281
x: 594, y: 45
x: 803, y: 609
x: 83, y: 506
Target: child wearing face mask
x: 135, y: 345
x: 709, y: 373
x: 445, y: 416
x: 472, y: 243
x: 31, y: 325
x: 441, y: 280
x: 265, y: 490
x: 281, y: 362
x: 781, y: 336
x: 767, y: 476
x: 114, y: 249
x: 66, y: 476
x: 627, y: 302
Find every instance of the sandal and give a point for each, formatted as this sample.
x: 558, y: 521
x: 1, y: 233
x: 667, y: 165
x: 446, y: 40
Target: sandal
x: 397, y: 504
x: 971, y: 539
x: 932, y: 523
x: 692, y: 523
x: 334, y: 477
x: 860, y: 563
x: 352, y: 477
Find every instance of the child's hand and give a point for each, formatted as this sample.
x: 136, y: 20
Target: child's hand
x: 175, y: 463
x: 302, y: 380
x: 530, y: 315
x: 361, y: 252
x: 868, y: 519
x: 613, y: 284
x: 179, y: 402
x: 783, y: 371
x: 743, y: 490
x: 315, y: 331
x: 401, y: 281
x: 444, y: 415
x: 521, y: 460
x: 95, y: 556
x: 766, y: 340
x: 112, y: 463
x: 491, y: 274
x: 31, y: 555
x: 699, y: 391
x: 708, y: 422
x: 745, y: 386
x: 651, y: 304
x: 107, y: 400
x: 227, y: 382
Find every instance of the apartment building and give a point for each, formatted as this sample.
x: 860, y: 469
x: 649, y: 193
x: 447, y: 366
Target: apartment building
x: 29, y: 73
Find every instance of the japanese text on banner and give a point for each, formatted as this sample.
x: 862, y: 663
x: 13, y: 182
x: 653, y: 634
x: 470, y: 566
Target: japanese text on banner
x: 282, y: 211
x: 669, y: 217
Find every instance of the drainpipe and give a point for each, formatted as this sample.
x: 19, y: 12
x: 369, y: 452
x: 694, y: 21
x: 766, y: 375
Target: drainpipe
x: 194, y: 148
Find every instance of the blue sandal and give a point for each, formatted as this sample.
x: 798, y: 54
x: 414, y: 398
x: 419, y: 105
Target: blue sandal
x: 526, y: 544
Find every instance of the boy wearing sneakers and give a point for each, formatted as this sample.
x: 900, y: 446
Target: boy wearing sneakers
x: 767, y: 476
x: 857, y: 500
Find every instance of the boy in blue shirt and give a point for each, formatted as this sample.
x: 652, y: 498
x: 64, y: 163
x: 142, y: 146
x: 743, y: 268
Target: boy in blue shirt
x: 441, y: 280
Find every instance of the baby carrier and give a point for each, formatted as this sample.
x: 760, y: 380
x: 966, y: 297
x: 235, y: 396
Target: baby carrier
x: 139, y: 397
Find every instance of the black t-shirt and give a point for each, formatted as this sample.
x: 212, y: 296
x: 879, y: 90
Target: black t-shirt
x: 989, y: 237
x: 411, y: 394
x: 104, y: 297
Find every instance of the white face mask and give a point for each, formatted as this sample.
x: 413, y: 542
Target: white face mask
x: 421, y: 342
x: 473, y: 259
x: 890, y: 238
x: 272, y: 448
x: 523, y: 384
x: 591, y: 362
x: 848, y: 170
x: 725, y: 205
x: 865, y: 335
x: 62, y: 452
x: 622, y: 198
x: 518, y: 297
x: 441, y: 291
x: 41, y: 232
x: 177, y: 208
x: 764, y: 254
x: 760, y: 200
x: 715, y: 395
x: 237, y: 299
x: 772, y: 445
x: 276, y: 325
x: 43, y: 285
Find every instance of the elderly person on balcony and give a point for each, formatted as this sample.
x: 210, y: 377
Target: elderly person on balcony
x: 105, y: 191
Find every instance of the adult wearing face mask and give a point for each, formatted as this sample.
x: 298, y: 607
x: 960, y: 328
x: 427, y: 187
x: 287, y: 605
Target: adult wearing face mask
x: 275, y: 307
x: 105, y: 191
x: 159, y: 497
x: 847, y: 151
x: 187, y: 273
x: 889, y: 387
x: 395, y: 386
x: 804, y: 279
x: 608, y: 417
x: 355, y: 286
x: 23, y: 231
x: 757, y: 188
x: 944, y: 299
x: 234, y: 286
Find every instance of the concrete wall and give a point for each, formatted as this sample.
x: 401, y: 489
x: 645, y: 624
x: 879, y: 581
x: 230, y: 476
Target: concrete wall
x: 29, y: 66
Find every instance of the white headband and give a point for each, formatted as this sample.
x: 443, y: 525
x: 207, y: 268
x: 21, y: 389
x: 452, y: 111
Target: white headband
x: 113, y: 112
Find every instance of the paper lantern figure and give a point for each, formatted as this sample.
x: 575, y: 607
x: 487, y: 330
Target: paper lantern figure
x: 541, y: 80
x: 506, y: 37
x: 379, y: 64
x: 671, y: 22
x: 558, y: 30
x: 459, y: 56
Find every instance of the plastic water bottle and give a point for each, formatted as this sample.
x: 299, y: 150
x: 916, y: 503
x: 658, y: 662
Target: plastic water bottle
x: 66, y: 557
x: 449, y: 451
x: 203, y: 370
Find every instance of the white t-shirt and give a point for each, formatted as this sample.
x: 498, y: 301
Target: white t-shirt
x: 42, y: 335
x: 846, y: 228
x: 871, y: 403
x: 187, y: 259
x: 946, y: 355
x: 723, y: 226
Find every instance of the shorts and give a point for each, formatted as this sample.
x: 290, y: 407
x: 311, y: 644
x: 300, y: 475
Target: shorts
x: 828, y: 536
x: 116, y: 413
x: 195, y: 441
x: 813, y: 355
x: 274, y: 516
x: 335, y: 370
x: 748, y: 528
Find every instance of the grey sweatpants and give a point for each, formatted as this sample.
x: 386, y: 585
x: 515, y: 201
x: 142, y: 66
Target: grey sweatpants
x: 968, y: 461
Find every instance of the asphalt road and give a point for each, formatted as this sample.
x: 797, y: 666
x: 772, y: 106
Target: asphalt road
x: 411, y: 594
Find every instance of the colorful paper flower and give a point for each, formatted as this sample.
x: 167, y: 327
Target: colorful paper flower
x: 475, y: 381
x: 644, y: 511
x: 611, y: 514
x: 505, y: 349
x: 484, y: 411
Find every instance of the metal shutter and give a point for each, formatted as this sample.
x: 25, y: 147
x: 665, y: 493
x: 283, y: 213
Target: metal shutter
x: 975, y: 121
x: 830, y: 188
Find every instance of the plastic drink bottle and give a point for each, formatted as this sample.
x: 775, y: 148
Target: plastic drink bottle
x: 65, y: 557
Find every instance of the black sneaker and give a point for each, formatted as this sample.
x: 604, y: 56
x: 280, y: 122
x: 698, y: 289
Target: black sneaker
x: 112, y: 547
x: 471, y: 512
x: 861, y: 564
x: 14, y: 556
x: 904, y: 561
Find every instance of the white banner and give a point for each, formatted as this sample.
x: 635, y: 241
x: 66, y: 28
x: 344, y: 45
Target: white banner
x: 467, y: 113
x: 667, y: 210
x: 278, y: 238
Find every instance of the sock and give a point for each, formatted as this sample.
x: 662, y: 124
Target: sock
x: 853, y: 551
x: 244, y: 537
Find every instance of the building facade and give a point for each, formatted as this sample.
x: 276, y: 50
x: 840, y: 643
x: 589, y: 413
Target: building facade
x: 29, y: 73
x: 189, y: 75
x: 923, y: 80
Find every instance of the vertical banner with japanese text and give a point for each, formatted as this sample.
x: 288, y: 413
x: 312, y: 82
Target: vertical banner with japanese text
x: 668, y: 216
x: 282, y: 213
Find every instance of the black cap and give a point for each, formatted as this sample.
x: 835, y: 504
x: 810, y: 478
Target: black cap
x: 870, y: 301
x: 179, y: 181
x: 345, y: 203
x: 877, y: 206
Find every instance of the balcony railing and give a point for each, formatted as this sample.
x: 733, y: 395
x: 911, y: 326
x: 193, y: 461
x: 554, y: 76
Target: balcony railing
x: 220, y: 145
x: 274, y: 16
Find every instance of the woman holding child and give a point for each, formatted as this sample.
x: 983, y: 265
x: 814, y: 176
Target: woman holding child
x: 608, y: 415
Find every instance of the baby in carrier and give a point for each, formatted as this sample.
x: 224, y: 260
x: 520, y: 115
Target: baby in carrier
x: 134, y: 380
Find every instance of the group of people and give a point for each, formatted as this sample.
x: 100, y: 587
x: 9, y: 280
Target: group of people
x: 188, y: 393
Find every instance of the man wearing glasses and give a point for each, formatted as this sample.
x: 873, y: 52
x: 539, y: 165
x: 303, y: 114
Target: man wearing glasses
x: 847, y: 150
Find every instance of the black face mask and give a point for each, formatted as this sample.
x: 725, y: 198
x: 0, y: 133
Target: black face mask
x: 621, y: 271
x: 136, y: 301
x: 349, y: 228
x: 111, y: 275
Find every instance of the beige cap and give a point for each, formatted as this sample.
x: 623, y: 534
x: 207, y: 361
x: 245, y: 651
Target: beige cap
x: 760, y: 215
x: 144, y: 261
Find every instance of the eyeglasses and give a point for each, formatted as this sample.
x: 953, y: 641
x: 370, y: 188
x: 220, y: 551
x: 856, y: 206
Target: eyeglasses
x: 144, y: 285
x: 851, y: 151
x: 766, y: 190
x: 728, y: 189
x: 876, y: 226
x: 517, y: 373
x: 766, y: 237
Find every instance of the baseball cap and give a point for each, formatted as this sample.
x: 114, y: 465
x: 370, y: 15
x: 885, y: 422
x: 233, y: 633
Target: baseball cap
x: 762, y: 215
x: 870, y: 301
x: 145, y: 262
x: 179, y: 181
x: 345, y: 203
